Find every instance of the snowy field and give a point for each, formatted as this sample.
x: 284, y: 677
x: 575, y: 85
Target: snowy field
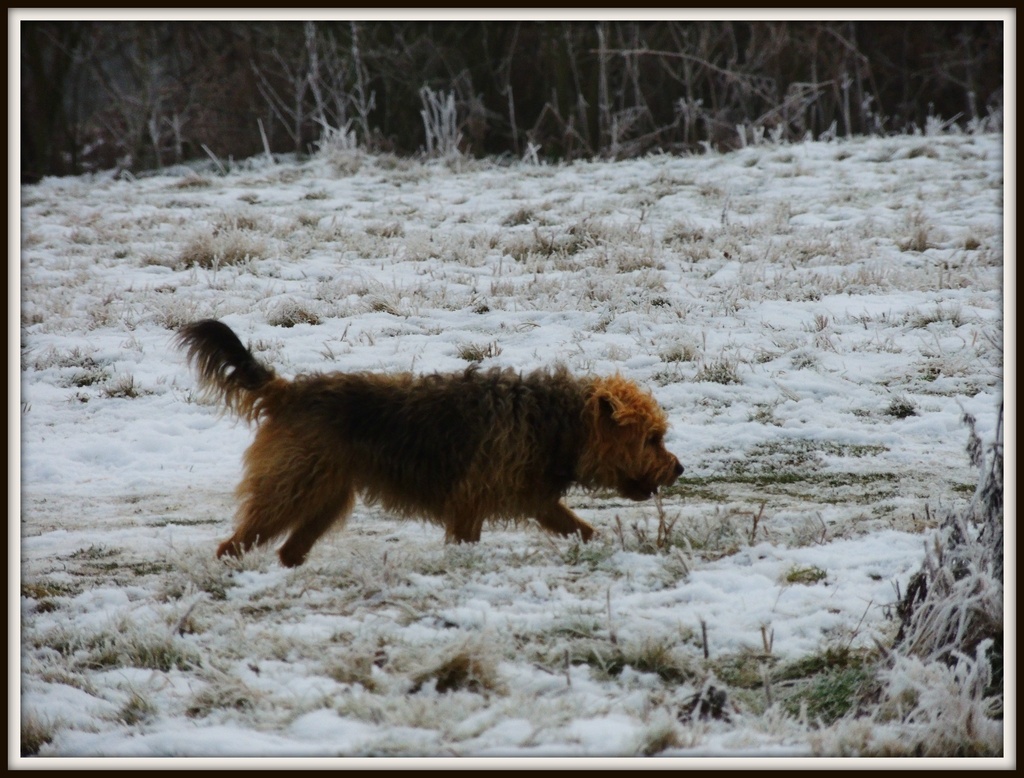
x: 815, y: 319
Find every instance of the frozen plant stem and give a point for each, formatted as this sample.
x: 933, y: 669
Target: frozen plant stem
x: 611, y: 630
x: 767, y: 638
x: 757, y: 520
x: 766, y: 680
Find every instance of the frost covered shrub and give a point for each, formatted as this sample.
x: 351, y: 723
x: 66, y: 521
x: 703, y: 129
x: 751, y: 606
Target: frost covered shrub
x: 956, y: 600
x: 939, y: 692
x: 922, y: 708
x: 948, y: 707
x: 952, y: 623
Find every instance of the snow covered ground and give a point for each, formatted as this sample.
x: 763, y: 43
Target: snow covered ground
x: 815, y: 319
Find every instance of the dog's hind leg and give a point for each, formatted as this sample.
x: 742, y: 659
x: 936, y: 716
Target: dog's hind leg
x: 267, y: 494
x: 323, y: 511
x: 559, y: 519
x: 235, y: 546
x: 309, y: 514
x: 288, y: 486
x: 259, y: 521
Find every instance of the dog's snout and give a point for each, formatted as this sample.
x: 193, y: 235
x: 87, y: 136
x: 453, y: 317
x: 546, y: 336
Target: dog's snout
x: 679, y: 469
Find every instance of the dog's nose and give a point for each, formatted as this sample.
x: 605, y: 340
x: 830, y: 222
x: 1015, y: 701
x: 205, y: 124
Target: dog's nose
x: 679, y: 469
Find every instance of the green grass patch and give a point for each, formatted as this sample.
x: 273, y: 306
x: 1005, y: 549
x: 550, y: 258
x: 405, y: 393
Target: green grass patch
x: 717, y: 488
x: 826, y: 685
x: 805, y: 575
x: 742, y: 671
x: 146, y: 567
x: 181, y: 522
x: 609, y: 659
x: 790, y: 454
x: 832, y: 694
x: 45, y: 590
x: 828, y: 660
x: 92, y: 554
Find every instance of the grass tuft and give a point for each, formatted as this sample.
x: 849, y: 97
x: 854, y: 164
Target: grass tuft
x: 901, y: 407
x: 221, y: 693
x: 292, y: 312
x: 466, y: 669
x: 519, y: 217
x: 124, y: 386
x: 213, y: 250
x: 719, y: 371
x: 136, y: 710
x: 472, y: 352
x: 952, y: 315
x: 35, y: 733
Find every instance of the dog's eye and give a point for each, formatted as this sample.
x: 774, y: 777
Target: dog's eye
x: 654, y: 439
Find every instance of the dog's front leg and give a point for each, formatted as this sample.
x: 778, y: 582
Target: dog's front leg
x: 559, y: 519
x: 463, y: 527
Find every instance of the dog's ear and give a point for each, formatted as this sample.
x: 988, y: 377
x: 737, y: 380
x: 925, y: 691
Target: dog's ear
x: 618, y: 403
x: 609, y: 407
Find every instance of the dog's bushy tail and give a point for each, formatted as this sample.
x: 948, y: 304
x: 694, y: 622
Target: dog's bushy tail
x: 227, y: 370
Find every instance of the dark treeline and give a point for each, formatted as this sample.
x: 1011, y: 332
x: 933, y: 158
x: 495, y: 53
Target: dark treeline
x: 96, y: 95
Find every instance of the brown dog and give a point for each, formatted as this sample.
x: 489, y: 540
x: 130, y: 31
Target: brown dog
x: 456, y: 449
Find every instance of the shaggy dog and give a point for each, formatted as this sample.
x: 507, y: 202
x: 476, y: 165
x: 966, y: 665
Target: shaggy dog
x: 455, y: 449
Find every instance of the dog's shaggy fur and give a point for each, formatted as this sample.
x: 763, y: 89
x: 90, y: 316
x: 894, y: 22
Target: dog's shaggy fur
x: 456, y: 449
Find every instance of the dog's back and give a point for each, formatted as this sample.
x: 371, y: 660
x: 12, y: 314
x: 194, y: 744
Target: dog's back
x: 409, y: 441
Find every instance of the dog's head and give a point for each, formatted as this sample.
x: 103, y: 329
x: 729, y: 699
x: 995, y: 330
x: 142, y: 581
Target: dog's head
x: 626, y: 442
